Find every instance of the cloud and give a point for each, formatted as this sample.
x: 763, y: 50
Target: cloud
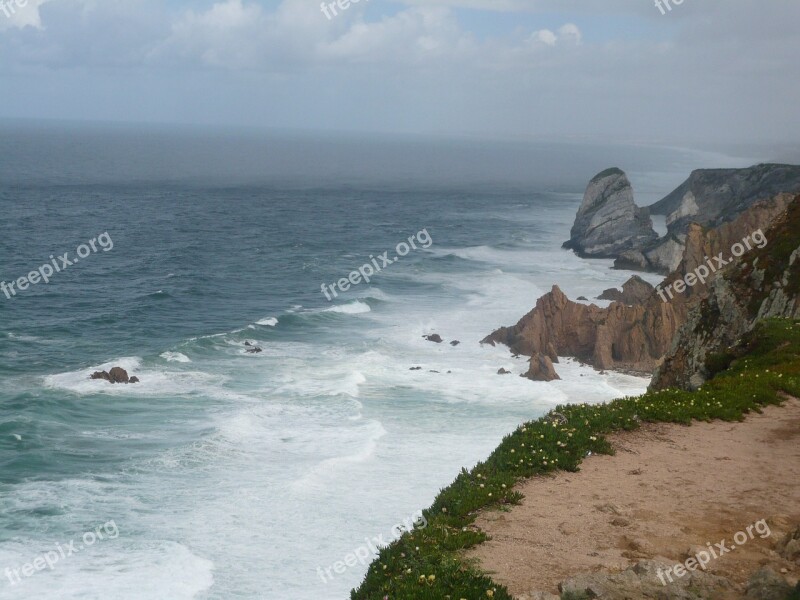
x: 568, y: 67
x: 20, y: 14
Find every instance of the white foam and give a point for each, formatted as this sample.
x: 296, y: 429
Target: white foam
x: 22, y: 338
x: 175, y: 357
x: 152, y: 382
x: 361, y: 449
x: 268, y: 322
x: 353, y: 308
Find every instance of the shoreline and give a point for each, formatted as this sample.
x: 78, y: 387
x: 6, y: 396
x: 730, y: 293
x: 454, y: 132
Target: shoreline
x: 437, y: 562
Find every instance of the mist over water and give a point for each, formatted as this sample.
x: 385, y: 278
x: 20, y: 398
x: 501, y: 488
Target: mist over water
x: 235, y: 475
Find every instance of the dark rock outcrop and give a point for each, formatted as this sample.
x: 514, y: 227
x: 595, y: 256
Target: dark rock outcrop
x: 115, y: 375
x: 710, y: 198
x: 435, y: 338
x: 608, y: 221
x: 504, y: 372
x: 634, y: 291
x: 789, y: 546
x: 766, y: 584
x: 644, y: 581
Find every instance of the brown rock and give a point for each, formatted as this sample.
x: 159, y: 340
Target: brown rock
x: 100, y: 375
x: 634, y: 291
x: 115, y: 375
x: 541, y: 369
x: 118, y: 375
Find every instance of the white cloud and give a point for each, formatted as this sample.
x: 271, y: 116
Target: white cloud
x: 571, y: 33
x: 416, y: 65
x: 544, y: 36
x: 20, y: 14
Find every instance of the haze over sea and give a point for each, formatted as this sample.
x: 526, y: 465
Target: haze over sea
x: 235, y: 475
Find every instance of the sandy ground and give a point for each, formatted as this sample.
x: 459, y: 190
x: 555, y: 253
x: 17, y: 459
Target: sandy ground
x: 668, y: 488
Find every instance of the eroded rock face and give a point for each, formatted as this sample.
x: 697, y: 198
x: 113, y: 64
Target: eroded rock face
x: 709, y: 198
x: 638, y: 336
x: 764, y: 284
x: 632, y: 338
x: 634, y: 291
x: 608, y: 221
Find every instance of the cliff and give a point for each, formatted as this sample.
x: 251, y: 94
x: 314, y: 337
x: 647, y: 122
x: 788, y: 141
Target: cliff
x: 764, y: 285
x: 635, y: 336
x: 710, y: 198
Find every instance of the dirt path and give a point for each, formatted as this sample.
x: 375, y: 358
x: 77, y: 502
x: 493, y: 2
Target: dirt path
x: 668, y: 488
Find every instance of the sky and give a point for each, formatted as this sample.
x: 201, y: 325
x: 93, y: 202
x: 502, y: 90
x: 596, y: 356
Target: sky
x: 706, y: 71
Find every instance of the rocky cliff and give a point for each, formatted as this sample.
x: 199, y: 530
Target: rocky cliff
x: 710, y: 197
x: 608, y: 221
x: 765, y: 284
x: 631, y: 338
x: 636, y: 335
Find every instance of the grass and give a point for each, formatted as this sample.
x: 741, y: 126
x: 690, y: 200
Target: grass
x: 429, y: 564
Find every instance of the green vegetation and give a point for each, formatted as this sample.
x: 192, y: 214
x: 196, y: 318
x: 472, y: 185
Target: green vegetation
x: 795, y: 595
x: 428, y: 564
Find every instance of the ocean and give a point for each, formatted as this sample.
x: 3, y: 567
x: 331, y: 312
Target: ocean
x: 236, y: 475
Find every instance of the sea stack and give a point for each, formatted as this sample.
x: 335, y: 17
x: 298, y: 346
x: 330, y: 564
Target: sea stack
x: 608, y: 221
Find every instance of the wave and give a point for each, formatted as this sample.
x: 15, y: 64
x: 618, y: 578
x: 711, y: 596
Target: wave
x: 153, y: 382
x: 268, y: 322
x: 354, y: 308
x: 175, y: 357
x: 329, y: 468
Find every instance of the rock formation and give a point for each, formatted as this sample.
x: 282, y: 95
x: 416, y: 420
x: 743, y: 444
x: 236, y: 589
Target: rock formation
x: 710, y: 198
x: 642, y: 581
x: 435, y: 338
x: 115, y: 375
x: 638, y: 336
x: 766, y: 283
x: 541, y: 368
x: 634, y: 291
x: 608, y: 221
x: 631, y: 338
